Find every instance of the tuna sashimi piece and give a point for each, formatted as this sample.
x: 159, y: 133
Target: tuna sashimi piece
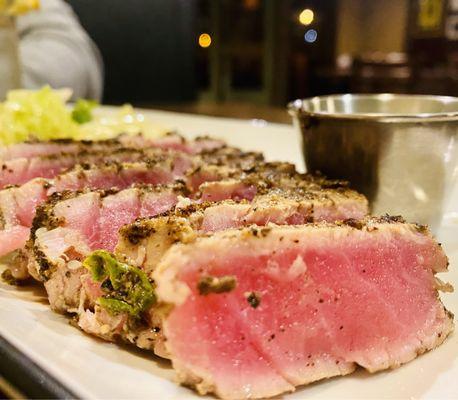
x: 269, y: 309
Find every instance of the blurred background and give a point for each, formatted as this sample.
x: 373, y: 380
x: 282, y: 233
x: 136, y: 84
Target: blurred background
x: 248, y: 58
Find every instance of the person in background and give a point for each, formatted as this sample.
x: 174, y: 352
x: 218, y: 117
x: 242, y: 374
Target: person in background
x: 55, y: 50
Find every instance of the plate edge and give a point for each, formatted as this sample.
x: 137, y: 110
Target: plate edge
x: 28, y: 377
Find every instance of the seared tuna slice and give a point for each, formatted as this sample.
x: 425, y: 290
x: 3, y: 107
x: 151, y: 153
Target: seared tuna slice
x: 22, y: 170
x: 17, y: 204
x: 270, y: 172
x: 71, y: 224
x: 171, y: 141
x: 28, y: 150
x: 157, y: 234
x: 279, y: 206
x: 145, y: 241
x: 37, y: 149
x: 269, y: 309
x: 156, y: 169
x: 23, y: 162
x: 177, y: 142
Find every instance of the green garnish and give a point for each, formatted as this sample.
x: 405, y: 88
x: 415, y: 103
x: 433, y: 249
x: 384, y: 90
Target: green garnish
x: 127, y: 288
x: 82, y: 112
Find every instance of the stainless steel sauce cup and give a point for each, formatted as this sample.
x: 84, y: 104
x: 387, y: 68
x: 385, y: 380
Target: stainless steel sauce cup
x: 401, y: 151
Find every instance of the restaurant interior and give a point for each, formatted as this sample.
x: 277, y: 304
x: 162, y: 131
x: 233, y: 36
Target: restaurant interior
x: 248, y: 58
x: 150, y: 245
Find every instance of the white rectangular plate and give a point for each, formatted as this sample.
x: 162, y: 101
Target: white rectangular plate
x: 91, y: 368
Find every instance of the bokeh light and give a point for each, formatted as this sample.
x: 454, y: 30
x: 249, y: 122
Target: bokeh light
x: 310, y: 36
x: 205, y: 40
x: 306, y: 16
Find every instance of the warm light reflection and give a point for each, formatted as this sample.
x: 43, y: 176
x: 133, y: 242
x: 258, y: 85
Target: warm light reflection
x: 251, y: 4
x: 306, y: 16
x: 205, y: 40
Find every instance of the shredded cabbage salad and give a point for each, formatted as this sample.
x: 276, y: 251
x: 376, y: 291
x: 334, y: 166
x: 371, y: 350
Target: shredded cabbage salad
x: 44, y: 115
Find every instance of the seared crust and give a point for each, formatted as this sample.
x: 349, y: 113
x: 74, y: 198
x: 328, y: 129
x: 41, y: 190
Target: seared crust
x: 152, y: 157
x: 294, y: 191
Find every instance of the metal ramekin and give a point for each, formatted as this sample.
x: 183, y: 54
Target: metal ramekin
x: 401, y: 151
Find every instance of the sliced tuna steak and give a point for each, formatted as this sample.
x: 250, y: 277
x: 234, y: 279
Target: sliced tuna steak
x: 279, y: 206
x: 28, y: 150
x: 23, y: 162
x: 171, y: 141
x: 269, y: 309
x: 17, y: 204
x: 37, y: 149
x: 22, y: 170
x: 83, y: 230
x: 70, y: 225
x: 177, y: 142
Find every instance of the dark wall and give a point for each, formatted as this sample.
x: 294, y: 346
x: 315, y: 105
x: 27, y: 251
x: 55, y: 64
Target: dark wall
x: 148, y: 47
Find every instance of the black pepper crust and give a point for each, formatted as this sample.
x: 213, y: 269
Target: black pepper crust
x: 151, y: 158
x: 273, y: 195
x: 254, y: 300
x: 45, y: 217
x: 142, y: 228
x: 45, y: 267
x: 354, y: 223
x: 369, y: 224
x: 212, y: 284
x: 137, y: 232
x: 175, y: 229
